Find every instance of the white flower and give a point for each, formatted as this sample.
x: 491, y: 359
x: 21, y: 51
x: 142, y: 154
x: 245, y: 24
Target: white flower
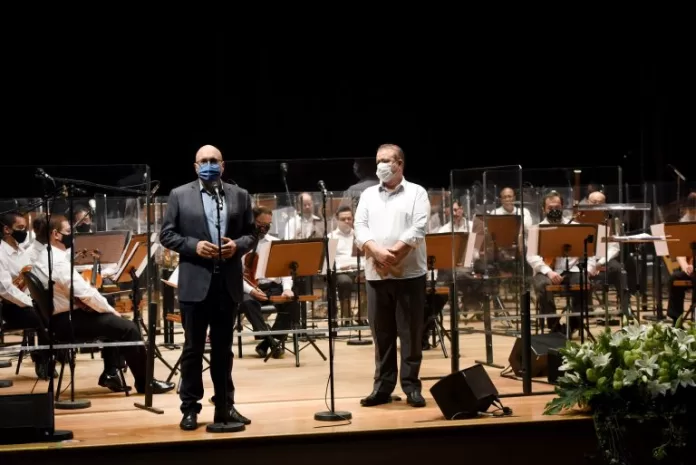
x: 635, y: 332
x: 600, y: 361
x: 567, y: 365
x: 656, y: 388
x: 569, y: 378
x: 617, y: 338
x: 630, y: 376
x: 686, y: 378
x: 647, y: 365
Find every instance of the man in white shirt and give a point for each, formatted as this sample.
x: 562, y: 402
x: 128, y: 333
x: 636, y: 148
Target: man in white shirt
x: 508, y: 207
x: 306, y: 224
x: 17, y: 306
x: 610, y: 264
x: 552, y: 270
x: 256, y: 295
x: 345, y: 261
x: 690, y: 214
x: 93, y: 317
x: 390, y: 225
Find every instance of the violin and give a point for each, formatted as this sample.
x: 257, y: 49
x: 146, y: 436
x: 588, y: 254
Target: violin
x: 19, y: 280
x: 93, y: 276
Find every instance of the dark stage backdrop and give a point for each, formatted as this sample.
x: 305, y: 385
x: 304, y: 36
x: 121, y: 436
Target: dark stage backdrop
x: 154, y: 96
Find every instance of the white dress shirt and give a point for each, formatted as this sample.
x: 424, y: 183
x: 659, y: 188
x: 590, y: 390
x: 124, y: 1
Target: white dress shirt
x: 286, y: 281
x: 11, y: 263
x: 388, y: 217
x: 299, y: 227
x: 559, y: 266
x: 613, y: 250
x: 687, y: 218
x: 526, y: 216
x: 344, y: 249
x: 61, y: 288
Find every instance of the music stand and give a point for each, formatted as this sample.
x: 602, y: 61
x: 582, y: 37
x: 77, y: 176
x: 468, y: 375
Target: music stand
x: 442, y: 248
x: 298, y: 258
x: 571, y: 240
x: 684, y: 245
x: 109, y: 243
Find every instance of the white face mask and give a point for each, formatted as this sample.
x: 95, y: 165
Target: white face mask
x: 384, y: 172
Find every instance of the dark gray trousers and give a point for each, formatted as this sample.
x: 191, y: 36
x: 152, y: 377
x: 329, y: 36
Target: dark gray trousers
x: 395, y: 307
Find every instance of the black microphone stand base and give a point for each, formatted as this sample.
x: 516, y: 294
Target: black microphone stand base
x: 5, y: 364
x: 332, y: 416
x: 359, y: 342
x: 72, y: 404
x: 229, y: 427
x: 5, y: 383
x: 149, y: 408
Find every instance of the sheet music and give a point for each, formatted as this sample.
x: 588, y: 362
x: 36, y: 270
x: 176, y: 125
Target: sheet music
x: 122, y: 268
x: 173, y: 280
x: 153, y: 250
x: 263, y: 250
x: 661, y: 249
x: 280, y: 218
x: 601, y: 245
x: 533, y: 241
x: 470, y: 247
x: 333, y: 247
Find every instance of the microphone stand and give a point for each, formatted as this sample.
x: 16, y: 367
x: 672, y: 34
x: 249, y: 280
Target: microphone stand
x: 284, y: 172
x: 72, y: 404
x: 331, y: 414
x: 226, y: 426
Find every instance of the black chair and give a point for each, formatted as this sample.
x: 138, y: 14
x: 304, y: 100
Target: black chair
x: 44, y: 307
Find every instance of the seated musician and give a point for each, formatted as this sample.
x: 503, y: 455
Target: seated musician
x: 346, y: 261
x: 685, y: 272
x: 508, y: 207
x: 552, y: 270
x: 254, y: 296
x: 306, y: 224
x: 93, y: 317
x: 609, y: 264
x: 82, y: 218
x: 17, y: 306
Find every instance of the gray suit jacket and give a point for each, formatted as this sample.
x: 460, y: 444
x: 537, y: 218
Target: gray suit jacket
x: 185, y: 225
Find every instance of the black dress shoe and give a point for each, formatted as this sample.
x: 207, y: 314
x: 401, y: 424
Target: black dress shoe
x: 189, y: 422
x: 158, y: 387
x: 376, y: 398
x: 234, y: 416
x: 415, y: 399
x: 113, y: 382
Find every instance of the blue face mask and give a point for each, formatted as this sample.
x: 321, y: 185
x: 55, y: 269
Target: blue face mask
x: 209, y: 172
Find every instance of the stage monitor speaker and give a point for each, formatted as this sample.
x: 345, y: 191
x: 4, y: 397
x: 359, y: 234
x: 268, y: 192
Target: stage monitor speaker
x: 540, y: 347
x: 555, y: 360
x: 27, y: 418
x: 464, y: 394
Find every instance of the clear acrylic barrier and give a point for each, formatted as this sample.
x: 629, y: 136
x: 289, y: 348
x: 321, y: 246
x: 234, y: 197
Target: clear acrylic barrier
x: 78, y: 190
x: 488, y: 281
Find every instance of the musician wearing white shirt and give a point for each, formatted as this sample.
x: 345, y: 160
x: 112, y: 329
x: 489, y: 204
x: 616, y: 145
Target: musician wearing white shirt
x: 552, y: 270
x: 92, y: 317
x: 345, y: 261
x: 610, y: 264
x: 390, y: 225
x: 507, y: 200
x: 306, y: 224
x: 17, y: 306
x: 256, y: 294
x: 685, y: 272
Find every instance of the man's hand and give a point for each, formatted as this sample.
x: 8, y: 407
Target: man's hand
x: 206, y: 249
x: 689, y: 270
x: 382, y: 256
x: 554, y: 277
x: 228, y: 247
x: 594, y: 272
x: 288, y: 293
x: 258, y: 295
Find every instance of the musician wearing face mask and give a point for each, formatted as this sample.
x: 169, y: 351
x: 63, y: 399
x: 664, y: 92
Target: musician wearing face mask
x: 257, y: 293
x: 83, y: 220
x: 93, y: 318
x: 390, y: 226
x: 17, y: 306
x: 210, y: 289
x: 552, y: 270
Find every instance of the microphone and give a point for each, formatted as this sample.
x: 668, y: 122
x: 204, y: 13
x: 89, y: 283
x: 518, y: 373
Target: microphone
x: 41, y: 174
x: 322, y: 188
x: 284, y: 168
x: 217, y: 188
x: 676, y: 171
x: 617, y: 226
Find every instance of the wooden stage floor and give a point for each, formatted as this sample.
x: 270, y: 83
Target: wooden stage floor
x: 278, y: 397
